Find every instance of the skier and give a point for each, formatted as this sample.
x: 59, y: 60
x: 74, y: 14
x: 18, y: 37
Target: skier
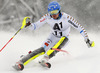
x: 60, y: 24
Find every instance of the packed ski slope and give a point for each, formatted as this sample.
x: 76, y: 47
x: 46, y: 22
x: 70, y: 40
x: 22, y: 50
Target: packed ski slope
x: 81, y: 59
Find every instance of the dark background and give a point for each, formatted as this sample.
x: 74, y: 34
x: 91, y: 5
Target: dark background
x: 86, y: 12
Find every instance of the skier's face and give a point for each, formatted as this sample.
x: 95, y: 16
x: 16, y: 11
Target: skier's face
x: 55, y: 16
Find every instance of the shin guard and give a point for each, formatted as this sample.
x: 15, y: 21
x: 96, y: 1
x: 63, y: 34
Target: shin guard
x: 26, y: 59
x: 58, y: 45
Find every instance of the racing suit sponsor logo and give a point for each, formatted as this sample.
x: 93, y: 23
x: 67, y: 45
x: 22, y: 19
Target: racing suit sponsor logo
x: 42, y: 20
x: 72, y: 23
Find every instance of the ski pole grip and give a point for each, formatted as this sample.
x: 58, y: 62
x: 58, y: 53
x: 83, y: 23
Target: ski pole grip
x: 25, y: 20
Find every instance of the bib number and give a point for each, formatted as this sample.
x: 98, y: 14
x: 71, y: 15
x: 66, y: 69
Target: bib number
x: 58, y: 33
x: 57, y: 27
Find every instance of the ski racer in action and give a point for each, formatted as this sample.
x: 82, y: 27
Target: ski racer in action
x: 60, y: 24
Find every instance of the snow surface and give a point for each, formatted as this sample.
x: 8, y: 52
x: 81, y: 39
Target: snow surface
x: 81, y: 59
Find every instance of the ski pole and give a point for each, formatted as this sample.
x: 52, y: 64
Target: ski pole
x: 60, y: 50
x: 23, y: 25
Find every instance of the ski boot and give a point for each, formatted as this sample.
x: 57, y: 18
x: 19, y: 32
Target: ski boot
x: 19, y: 65
x: 44, y: 62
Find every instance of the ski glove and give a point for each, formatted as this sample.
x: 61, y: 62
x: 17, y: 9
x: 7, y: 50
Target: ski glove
x: 27, y: 24
x: 89, y: 43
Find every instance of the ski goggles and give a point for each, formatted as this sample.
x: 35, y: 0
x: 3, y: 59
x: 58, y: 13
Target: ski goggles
x: 54, y: 12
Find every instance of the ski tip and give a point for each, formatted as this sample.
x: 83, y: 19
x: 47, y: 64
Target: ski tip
x: 18, y: 67
x: 48, y: 65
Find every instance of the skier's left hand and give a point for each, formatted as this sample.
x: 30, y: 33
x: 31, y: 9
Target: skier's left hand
x: 89, y: 43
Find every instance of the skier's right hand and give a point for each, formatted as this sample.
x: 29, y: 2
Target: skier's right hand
x: 27, y: 24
